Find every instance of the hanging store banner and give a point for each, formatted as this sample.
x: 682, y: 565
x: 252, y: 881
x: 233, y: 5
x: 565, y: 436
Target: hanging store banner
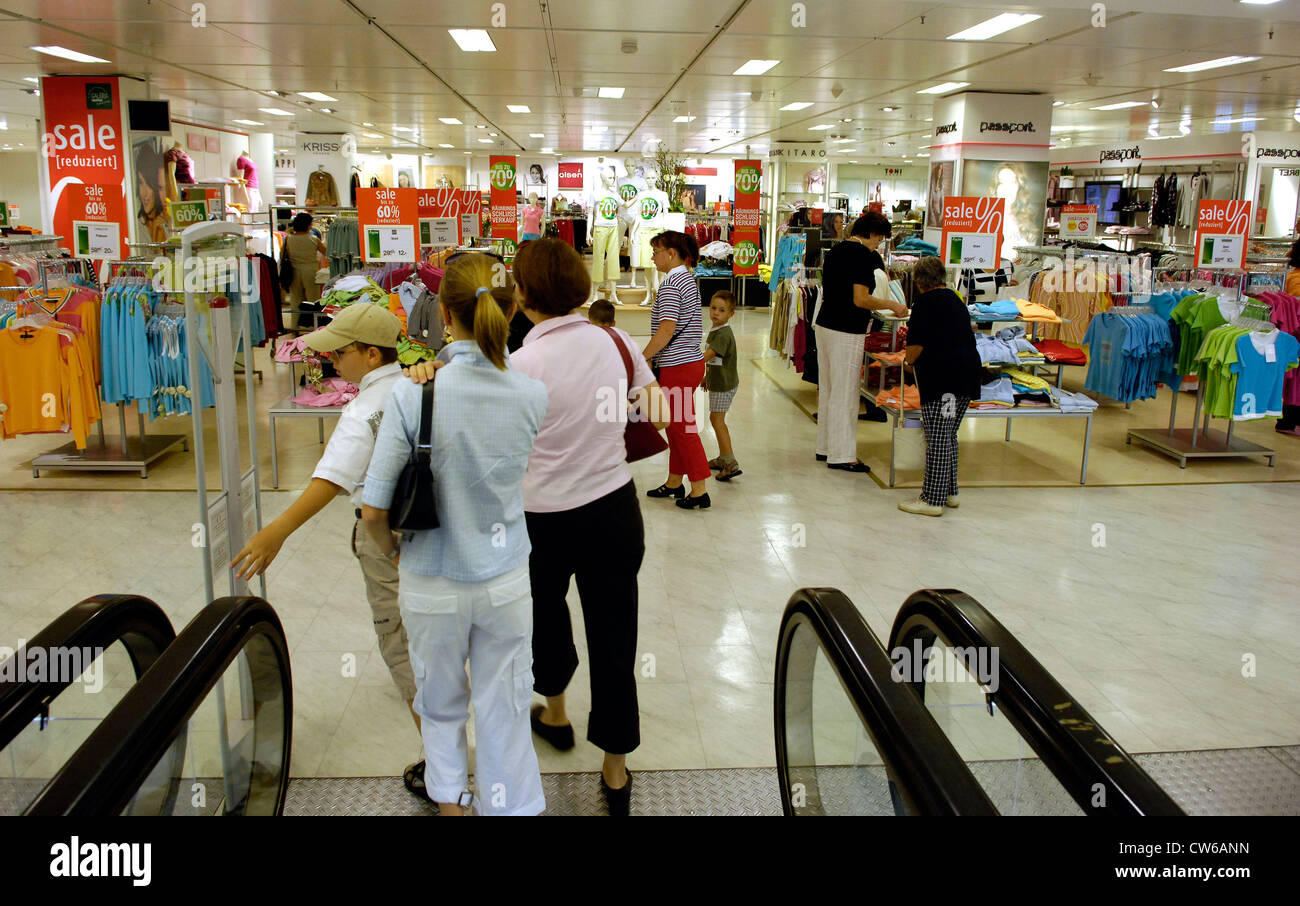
x: 571, y: 176
x: 749, y: 179
x: 502, y: 175
x: 745, y: 257
x: 83, y: 145
x: 1078, y: 221
x: 390, y: 224
x: 461, y: 205
x: 98, y: 213
x: 1221, y: 228
x: 972, y: 231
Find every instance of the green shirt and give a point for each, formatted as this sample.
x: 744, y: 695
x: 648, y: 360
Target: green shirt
x: 720, y: 374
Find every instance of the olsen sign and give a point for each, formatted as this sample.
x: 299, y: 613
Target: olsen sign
x: 83, y: 146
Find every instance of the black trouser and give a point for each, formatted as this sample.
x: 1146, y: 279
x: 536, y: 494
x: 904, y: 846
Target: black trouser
x: 603, y: 543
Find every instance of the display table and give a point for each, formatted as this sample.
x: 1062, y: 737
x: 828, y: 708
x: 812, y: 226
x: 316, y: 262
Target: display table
x: 632, y: 319
x: 289, y: 409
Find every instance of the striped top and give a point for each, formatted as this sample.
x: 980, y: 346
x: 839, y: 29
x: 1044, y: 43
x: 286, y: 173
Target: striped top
x: 678, y: 300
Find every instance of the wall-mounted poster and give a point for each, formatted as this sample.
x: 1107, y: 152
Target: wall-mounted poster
x: 405, y: 179
x: 1023, y: 184
x: 536, y: 176
x: 940, y: 188
x: 698, y: 197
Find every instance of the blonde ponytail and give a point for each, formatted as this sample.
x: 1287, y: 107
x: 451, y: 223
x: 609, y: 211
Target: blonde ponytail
x: 477, y: 291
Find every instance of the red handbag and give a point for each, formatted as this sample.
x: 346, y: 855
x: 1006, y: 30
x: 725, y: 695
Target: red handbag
x: 641, y: 437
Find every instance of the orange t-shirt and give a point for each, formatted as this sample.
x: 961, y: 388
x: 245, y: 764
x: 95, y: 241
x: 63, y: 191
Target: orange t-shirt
x: 32, y: 381
x: 1292, y: 287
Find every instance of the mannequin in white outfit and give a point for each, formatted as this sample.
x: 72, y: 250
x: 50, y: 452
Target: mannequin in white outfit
x: 649, y: 210
x: 605, y: 204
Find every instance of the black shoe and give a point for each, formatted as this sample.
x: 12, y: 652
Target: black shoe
x: 413, y: 777
x: 664, y: 491
x: 690, y: 503
x: 560, y: 737
x: 618, y: 801
x: 849, y: 466
x: 821, y: 458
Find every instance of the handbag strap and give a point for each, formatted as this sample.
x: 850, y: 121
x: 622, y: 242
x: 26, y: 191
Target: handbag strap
x: 424, y: 445
x: 622, y: 351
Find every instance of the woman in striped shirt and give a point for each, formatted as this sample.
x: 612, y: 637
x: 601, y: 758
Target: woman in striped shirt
x: 677, y: 325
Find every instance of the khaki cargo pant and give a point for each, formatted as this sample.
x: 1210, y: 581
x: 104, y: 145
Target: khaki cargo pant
x: 381, y: 591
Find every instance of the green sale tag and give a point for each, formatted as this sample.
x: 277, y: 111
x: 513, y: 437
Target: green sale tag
x: 4, y: 214
x: 187, y: 213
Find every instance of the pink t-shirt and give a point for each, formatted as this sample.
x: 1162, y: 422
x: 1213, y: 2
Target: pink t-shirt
x: 532, y: 220
x: 248, y: 170
x: 579, y: 454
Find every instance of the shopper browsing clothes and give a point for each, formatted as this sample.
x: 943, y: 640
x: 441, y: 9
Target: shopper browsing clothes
x: 677, y: 325
x: 300, y: 249
x: 853, y: 285
x: 362, y: 343
x: 941, y: 350
x: 464, y: 587
x: 721, y: 380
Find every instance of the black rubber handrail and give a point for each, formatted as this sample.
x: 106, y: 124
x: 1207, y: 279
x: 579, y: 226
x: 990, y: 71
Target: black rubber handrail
x: 104, y: 774
x: 97, y: 622
x: 1072, y: 745
x: 920, y: 759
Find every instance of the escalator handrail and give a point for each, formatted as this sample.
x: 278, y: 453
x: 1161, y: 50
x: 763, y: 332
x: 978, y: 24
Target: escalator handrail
x: 106, y: 771
x: 1071, y: 744
x: 98, y: 622
x: 918, y: 755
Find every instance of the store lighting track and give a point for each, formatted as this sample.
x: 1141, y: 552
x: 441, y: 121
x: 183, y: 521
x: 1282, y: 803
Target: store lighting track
x: 472, y: 40
x: 990, y: 28
x: 1213, y: 64
x: 54, y: 50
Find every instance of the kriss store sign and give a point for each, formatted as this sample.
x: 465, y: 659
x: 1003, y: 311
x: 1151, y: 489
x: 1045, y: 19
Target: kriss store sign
x: 390, y: 219
x: 1221, y: 228
x: 83, y: 147
x: 972, y: 231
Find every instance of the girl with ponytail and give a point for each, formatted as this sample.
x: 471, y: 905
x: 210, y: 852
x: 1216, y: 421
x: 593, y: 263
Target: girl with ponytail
x: 464, y: 587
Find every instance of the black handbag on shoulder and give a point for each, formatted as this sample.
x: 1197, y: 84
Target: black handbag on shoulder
x: 414, y: 507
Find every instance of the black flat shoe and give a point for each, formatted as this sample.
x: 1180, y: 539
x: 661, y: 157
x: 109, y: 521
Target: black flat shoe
x: 820, y: 457
x: 413, y: 778
x: 560, y: 737
x: 664, y: 491
x: 849, y: 466
x: 618, y: 801
x: 691, y: 503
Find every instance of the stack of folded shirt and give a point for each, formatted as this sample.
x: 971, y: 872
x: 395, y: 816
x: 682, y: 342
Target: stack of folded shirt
x: 1032, y: 311
x: 1023, y: 381
x: 889, y: 399
x: 1058, y: 352
x: 1004, y: 347
x: 1072, y: 402
x: 1039, y: 399
x: 1001, y: 308
x: 995, y: 395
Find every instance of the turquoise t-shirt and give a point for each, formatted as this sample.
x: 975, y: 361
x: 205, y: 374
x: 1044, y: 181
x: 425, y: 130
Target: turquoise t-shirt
x: 1261, y: 366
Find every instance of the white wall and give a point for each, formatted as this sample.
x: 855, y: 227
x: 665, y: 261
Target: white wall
x: 20, y: 182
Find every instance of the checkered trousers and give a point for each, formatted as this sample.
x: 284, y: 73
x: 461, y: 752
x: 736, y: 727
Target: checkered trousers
x: 939, y: 420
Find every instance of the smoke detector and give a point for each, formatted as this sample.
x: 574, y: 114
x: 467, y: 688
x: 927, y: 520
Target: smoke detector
x: 629, y: 45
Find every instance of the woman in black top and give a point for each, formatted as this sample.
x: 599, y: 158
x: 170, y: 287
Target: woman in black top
x: 941, y: 350
x: 853, y: 285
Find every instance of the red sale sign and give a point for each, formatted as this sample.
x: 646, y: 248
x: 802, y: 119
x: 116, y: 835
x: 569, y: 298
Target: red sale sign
x: 1078, y: 221
x: 571, y: 176
x: 502, y: 177
x: 972, y: 231
x: 1221, y: 229
x: 83, y: 145
x: 97, y: 215
x: 389, y: 221
x: 446, y: 203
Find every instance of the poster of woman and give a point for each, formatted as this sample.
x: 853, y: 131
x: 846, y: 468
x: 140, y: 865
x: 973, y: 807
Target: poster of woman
x: 940, y: 188
x: 150, y: 190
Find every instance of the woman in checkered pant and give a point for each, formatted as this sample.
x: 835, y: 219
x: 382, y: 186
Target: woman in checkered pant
x: 941, y: 350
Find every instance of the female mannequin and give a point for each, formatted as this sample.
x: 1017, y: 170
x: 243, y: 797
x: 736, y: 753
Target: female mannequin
x: 533, y: 213
x: 605, y: 204
x: 246, y: 171
x: 180, y: 170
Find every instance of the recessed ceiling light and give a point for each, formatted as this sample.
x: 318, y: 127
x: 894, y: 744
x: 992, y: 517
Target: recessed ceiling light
x: 537, y: 135
x: 1058, y: 103
x: 797, y: 105
x: 368, y: 124
x: 55, y: 50
x: 1240, y: 119
x: 848, y: 150
x: 822, y: 126
x: 32, y: 80
x: 548, y: 150
x: 991, y: 27
x: 847, y: 119
x: 493, y: 134
x: 1213, y: 64
x: 372, y: 135
x: 468, y: 152
x: 403, y: 129
x: 756, y: 67
x: 450, y: 121
x: 888, y: 109
x: 943, y: 88
x: 683, y: 119
x: 327, y: 110
x: 275, y: 111
x: 1260, y: 2
x: 923, y: 155
x: 315, y: 96
x: 518, y: 108
x: 692, y: 150
x: 845, y: 141
x: 1120, y: 106
x: 472, y: 40
x: 929, y: 119
x: 445, y: 145
x: 598, y: 128
x: 248, y: 122
x: 608, y: 92
x: 485, y: 141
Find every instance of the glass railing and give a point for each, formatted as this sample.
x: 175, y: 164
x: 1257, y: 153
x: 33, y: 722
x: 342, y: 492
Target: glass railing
x: 851, y: 740
x: 207, y: 731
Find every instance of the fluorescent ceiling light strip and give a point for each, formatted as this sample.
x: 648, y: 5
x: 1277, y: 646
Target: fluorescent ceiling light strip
x: 1121, y: 105
x: 683, y: 119
x: 611, y: 92
x: 248, y: 122
x: 1213, y: 64
x: 822, y: 126
x: 315, y: 96
x: 445, y: 145
x: 992, y: 27
x: 943, y: 88
x: 275, y: 111
x: 756, y: 67
x: 472, y: 40
x: 518, y: 108
x: 537, y: 135
x: 798, y: 105
x: 1240, y: 119
x: 450, y: 121
x: 55, y: 50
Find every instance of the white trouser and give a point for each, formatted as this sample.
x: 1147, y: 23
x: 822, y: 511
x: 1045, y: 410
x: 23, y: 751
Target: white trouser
x: 491, y: 624
x: 839, y: 383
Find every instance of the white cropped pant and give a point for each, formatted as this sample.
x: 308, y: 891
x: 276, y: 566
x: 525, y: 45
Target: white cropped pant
x: 490, y: 624
x: 839, y: 392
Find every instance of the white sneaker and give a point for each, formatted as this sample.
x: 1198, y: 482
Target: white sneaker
x: 953, y: 501
x: 920, y: 508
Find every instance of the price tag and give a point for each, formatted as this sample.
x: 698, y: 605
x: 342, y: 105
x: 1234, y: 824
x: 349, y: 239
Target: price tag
x: 1221, y: 251
x: 1221, y: 228
x: 1078, y: 221
x: 470, y: 226
x: 976, y: 250
x: 390, y: 243
x: 972, y: 231
x: 4, y: 214
x: 438, y: 231
x: 101, y: 241
x: 187, y: 213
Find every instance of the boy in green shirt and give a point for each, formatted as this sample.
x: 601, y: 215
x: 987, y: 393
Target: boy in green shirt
x: 721, y: 380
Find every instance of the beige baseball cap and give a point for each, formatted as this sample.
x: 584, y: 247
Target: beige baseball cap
x: 361, y: 322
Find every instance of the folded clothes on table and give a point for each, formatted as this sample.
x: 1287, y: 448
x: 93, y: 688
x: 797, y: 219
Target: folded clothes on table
x: 1072, y: 402
x: 889, y: 398
x: 1062, y: 353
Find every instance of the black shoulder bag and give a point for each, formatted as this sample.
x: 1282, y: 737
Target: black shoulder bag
x: 414, y: 507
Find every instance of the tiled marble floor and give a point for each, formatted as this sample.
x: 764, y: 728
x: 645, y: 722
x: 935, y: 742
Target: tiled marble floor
x: 1149, y: 631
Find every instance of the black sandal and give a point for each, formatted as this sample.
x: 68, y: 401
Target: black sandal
x: 413, y: 777
x: 664, y: 491
x: 849, y: 466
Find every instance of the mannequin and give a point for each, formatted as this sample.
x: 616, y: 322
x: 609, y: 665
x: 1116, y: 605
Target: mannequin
x: 533, y: 214
x: 628, y: 191
x: 246, y: 170
x: 649, y: 209
x: 180, y: 170
x: 605, y: 204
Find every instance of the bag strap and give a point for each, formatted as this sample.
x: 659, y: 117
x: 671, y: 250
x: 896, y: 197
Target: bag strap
x: 622, y: 351
x: 424, y: 446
